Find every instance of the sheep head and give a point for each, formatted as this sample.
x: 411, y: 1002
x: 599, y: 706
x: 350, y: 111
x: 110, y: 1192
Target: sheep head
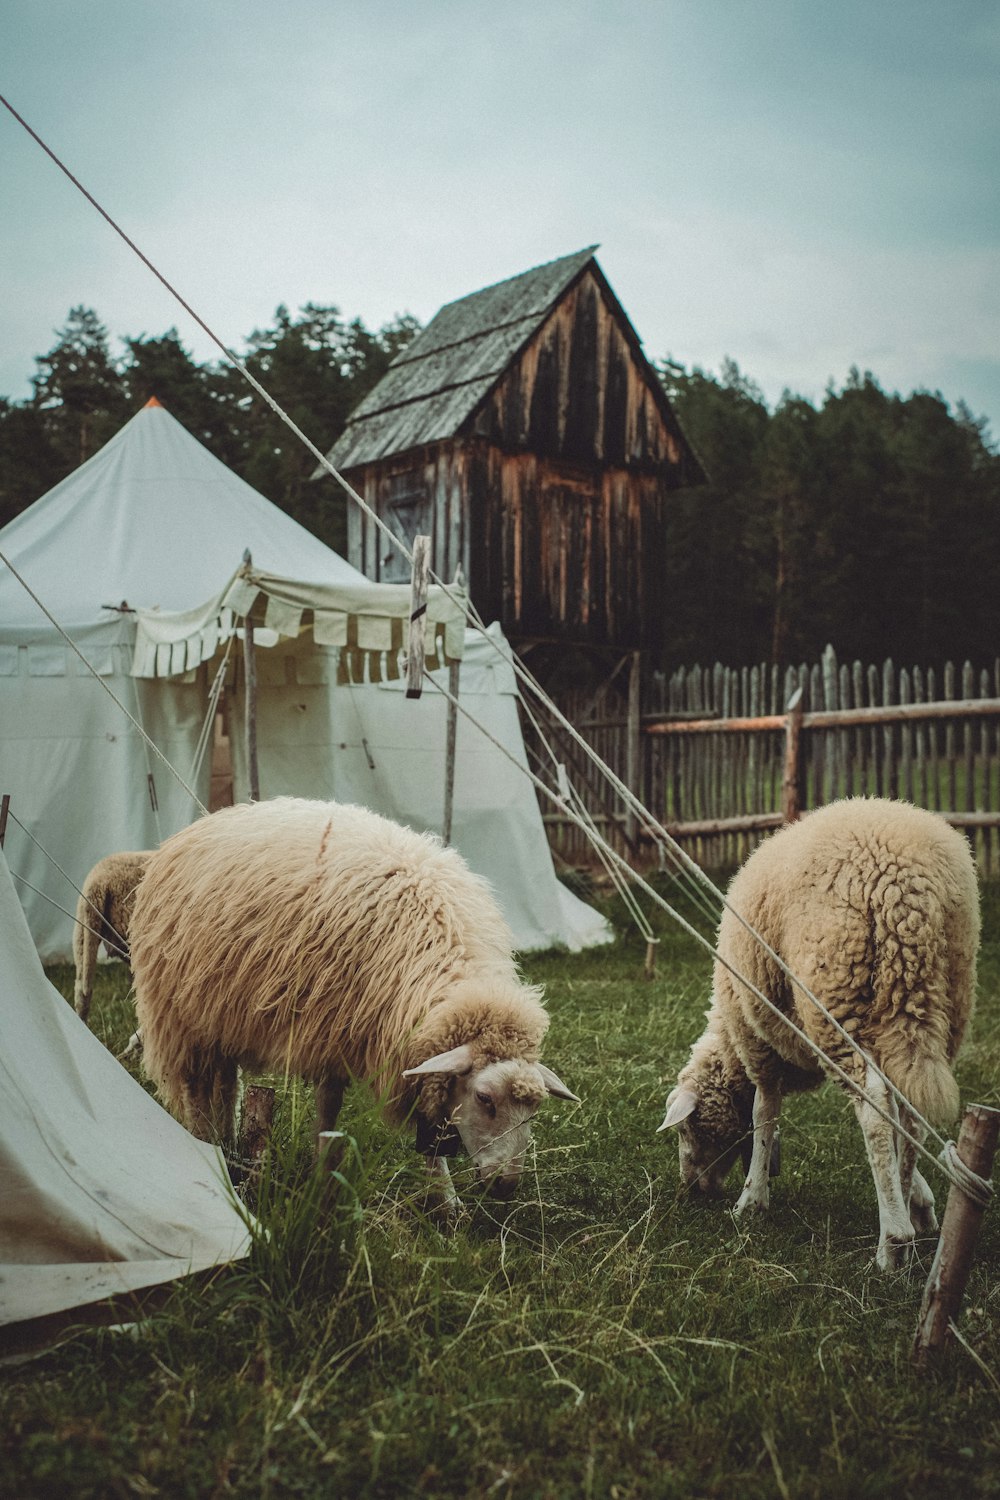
x: 492, y: 1108
x: 713, y: 1115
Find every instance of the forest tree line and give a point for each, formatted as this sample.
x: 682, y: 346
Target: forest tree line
x: 870, y: 520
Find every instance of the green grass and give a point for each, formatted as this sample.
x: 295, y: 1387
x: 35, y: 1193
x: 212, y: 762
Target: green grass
x: 604, y: 1335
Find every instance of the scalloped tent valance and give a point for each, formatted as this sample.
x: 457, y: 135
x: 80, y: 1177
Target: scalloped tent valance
x: 367, y: 622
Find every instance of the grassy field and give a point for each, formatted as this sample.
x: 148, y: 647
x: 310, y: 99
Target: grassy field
x: 603, y: 1335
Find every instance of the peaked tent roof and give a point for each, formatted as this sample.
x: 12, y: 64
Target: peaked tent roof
x: 150, y: 520
x: 438, y: 381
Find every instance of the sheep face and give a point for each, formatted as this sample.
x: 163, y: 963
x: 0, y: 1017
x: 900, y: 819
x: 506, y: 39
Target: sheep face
x: 712, y: 1122
x: 492, y: 1109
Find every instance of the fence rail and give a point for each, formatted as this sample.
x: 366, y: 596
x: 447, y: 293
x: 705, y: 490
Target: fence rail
x: 715, y: 764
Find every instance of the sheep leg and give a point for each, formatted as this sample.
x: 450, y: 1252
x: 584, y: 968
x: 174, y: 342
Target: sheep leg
x: 766, y: 1109
x: 916, y: 1192
x: 443, y: 1200
x: 329, y: 1098
x: 86, y: 942
x: 209, y: 1097
x: 895, y: 1230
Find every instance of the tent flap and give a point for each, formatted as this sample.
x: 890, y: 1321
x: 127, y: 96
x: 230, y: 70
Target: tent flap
x: 365, y: 620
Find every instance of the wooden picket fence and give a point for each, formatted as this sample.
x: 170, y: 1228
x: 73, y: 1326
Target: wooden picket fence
x: 709, y: 752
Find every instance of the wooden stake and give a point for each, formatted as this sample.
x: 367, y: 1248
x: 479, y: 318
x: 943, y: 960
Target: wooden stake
x: 649, y: 971
x: 415, y: 650
x: 250, y: 706
x: 791, y: 795
x: 945, y: 1287
x: 449, y: 759
x: 4, y: 806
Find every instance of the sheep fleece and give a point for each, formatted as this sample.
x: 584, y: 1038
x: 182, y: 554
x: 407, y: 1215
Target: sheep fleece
x: 325, y: 940
x: 874, y: 905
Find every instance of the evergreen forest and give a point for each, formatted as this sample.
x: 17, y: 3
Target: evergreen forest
x: 870, y: 520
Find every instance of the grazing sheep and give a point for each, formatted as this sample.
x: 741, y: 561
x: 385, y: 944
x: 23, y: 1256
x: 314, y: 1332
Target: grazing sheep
x: 323, y: 940
x: 874, y: 906
x: 103, y: 914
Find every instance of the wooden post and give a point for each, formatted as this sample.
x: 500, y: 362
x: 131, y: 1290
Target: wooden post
x: 943, y: 1293
x: 255, y: 1126
x: 791, y: 792
x: 250, y: 706
x: 449, y: 760
x: 418, y: 616
x: 633, y: 742
x: 4, y: 807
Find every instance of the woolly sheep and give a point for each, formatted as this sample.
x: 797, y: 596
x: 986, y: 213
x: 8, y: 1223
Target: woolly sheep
x: 874, y: 906
x: 104, y: 914
x: 321, y: 939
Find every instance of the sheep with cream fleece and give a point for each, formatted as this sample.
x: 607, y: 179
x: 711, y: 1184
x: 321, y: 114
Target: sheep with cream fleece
x: 104, y: 915
x: 321, y: 939
x: 874, y: 906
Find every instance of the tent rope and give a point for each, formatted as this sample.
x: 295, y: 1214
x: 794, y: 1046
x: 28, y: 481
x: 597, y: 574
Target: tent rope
x: 70, y: 881
x: 686, y: 865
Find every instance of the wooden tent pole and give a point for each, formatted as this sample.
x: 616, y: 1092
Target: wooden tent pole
x: 449, y: 759
x: 250, y: 705
x: 418, y: 616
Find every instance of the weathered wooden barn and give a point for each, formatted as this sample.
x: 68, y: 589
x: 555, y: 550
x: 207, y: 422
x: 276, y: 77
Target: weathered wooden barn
x: 527, y: 433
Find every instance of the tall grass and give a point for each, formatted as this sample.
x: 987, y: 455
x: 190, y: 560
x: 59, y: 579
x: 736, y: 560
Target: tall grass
x: 602, y: 1335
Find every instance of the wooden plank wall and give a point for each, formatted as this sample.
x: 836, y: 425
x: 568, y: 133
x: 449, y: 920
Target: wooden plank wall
x: 949, y: 766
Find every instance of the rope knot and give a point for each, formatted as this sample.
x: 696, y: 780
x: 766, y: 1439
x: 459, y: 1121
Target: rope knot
x: 978, y: 1189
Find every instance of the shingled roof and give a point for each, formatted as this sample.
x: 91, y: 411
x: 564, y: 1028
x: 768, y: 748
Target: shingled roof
x: 438, y: 381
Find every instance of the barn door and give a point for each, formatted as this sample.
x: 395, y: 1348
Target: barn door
x: 408, y: 514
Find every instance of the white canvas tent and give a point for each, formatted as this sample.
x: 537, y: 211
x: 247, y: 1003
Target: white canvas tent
x: 101, y: 1192
x: 155, y: 520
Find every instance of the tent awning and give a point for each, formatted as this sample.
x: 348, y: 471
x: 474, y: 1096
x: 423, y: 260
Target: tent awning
x: 368, y: 622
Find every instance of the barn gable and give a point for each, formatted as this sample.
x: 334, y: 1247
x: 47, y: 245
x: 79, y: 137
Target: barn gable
x: 500, y: 362
x: 527, y: 433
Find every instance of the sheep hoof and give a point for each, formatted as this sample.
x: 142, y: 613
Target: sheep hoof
x: 751, y: 1202
x: 923, y: 1218
x: 449, y: 1215
x: 894, y: 1252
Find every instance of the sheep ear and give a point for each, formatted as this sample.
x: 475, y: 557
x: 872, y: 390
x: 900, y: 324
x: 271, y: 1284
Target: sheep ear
x: 554, y: 1085
x: 458, y: 1060
x: 680, y: 1104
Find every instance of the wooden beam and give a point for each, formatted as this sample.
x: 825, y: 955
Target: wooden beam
x: 791, y: 790
x: 415, y: 645
x: 840, y: 718
x: 633, y: 742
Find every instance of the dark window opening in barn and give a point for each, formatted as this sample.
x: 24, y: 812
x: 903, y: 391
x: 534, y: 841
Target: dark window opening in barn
x: 408, y: 515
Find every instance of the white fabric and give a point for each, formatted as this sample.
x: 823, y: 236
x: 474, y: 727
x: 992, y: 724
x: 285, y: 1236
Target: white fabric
x: 101, y: 1192
x: 153, y: 519
x: 368, y: 616
x: 156, y: 520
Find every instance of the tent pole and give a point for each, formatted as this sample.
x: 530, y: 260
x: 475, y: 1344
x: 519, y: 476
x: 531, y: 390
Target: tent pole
x: 449, y: 762
x: 418, y: 616
x: 250, y: 668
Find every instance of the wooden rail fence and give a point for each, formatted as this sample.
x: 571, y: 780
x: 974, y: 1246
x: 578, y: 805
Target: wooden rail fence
x: 722, y: 756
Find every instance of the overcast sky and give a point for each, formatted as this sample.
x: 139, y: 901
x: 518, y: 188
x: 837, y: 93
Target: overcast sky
x: 801, y: 187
